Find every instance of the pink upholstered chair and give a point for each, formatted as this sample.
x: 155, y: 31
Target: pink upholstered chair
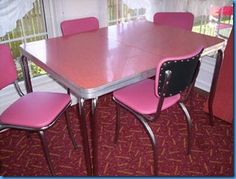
x: 36, y: 111
x: 146, y: 99
x: 177, y: 19
x: 76, y: 26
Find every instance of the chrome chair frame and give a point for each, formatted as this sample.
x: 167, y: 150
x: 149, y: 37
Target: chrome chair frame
x: 145, y: 119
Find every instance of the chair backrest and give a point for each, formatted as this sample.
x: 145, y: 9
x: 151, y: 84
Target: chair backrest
x: 182, y: 20
x: 75, y: 26
x: 183, y: 73
x: 7, y: 66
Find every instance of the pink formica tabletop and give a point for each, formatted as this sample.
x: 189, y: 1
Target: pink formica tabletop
x: 95, y: 63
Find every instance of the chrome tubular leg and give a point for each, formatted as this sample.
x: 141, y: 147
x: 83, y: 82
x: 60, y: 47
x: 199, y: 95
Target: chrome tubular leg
x: 189, y: 125
x: 213, y: 86
x: 68, y: 91
x: 191, y: 105
x: 84, y: 134
x: 70, y: 130
x: 117, y: 130
x: 94, y: 137
x: 46, y: 151
x: 153, y: 140
x: 26, y: 74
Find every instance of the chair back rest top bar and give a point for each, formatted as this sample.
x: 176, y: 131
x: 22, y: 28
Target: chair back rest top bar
x: 182, y: 20
x: 76, y: 26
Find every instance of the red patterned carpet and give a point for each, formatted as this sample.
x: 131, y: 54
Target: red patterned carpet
x: 212, y: 150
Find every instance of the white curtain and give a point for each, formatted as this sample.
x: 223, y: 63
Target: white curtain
x: 11, y: 11
x: 197, y: 7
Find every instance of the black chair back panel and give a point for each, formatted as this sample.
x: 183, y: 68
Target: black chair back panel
x: 183, y: 74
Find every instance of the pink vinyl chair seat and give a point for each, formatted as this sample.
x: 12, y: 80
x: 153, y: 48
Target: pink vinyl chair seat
x: 39, y: 114
x: 141, y: 97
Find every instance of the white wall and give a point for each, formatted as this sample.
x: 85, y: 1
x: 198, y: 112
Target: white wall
x: 59, y: 10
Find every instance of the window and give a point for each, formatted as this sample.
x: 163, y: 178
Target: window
x: 119, y: 11
x: 218, y: 22
x: 30, y: 28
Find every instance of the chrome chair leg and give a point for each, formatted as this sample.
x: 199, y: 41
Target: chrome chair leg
x: 189, y: 126
x: 117, y: 130
x: 69, y: 130
x: 153, y: 141
x: 46, y: 152
x: 148, y: 130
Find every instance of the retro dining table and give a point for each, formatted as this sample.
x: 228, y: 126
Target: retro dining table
x: 95, y: 63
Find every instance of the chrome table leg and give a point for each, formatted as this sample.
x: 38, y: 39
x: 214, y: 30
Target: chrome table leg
x: 94, y: 136
x: 84, y: 134
x: 213, y: 85
x: 26, y: 74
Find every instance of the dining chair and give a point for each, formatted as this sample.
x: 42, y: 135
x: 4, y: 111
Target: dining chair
x: 146, y: 99
x: 35, y: 111
x: 182, y: 20
x: 76, y: 26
